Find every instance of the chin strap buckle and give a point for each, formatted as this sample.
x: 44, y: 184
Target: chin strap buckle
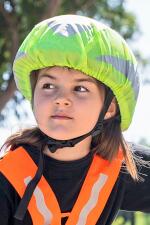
x: 54, y: 145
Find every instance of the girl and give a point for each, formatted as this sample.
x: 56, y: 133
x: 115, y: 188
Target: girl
x: 74, y: 167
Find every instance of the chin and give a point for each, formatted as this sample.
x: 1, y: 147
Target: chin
x: 62, y: 134
x: 58, y: 135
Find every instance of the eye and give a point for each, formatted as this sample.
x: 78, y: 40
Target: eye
x: 48, y: 86
x: 81, y: 89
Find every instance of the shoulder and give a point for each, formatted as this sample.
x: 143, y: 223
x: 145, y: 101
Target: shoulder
x: 16, y: 164
x: 12, y: 165
x: 19, y: 151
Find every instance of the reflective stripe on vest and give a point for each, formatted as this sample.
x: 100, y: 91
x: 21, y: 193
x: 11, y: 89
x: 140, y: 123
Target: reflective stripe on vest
x: 19, y: 169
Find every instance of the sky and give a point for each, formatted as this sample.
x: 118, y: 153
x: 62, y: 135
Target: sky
x: 140, y: 126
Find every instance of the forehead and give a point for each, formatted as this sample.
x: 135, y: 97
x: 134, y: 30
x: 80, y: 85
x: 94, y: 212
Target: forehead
x: 59, y: 72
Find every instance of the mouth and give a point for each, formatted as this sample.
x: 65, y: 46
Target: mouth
x: 61, y: 117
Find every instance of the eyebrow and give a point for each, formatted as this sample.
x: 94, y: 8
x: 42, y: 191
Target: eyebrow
x: 88, y: 79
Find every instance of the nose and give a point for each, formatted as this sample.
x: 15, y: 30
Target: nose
x: 63, y: 101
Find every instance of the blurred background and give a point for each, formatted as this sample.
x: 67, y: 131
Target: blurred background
x: 129, y: 17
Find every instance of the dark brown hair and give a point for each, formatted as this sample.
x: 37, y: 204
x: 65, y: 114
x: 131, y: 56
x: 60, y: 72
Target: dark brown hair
x: 106, y: 144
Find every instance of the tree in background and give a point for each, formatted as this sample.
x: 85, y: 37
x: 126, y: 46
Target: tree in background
x: 17, y: 17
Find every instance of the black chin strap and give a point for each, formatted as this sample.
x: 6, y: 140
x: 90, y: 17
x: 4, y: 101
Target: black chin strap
x: 53, y: 145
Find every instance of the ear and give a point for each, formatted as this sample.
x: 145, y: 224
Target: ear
x: 111, y: 110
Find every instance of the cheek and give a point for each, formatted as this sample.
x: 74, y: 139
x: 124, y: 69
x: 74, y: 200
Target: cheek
x: 89, y: 109
x: 39, y: 106
x: 97, y: 105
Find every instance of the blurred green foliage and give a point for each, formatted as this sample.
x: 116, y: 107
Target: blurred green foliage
x: 139, y: 219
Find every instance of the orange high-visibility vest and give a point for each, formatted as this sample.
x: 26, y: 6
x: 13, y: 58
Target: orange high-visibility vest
x: 19, y: 168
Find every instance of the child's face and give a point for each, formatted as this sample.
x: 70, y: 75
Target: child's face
x: 60, y: 91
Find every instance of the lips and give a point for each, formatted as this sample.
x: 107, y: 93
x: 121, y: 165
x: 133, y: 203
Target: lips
x: 61, y: 116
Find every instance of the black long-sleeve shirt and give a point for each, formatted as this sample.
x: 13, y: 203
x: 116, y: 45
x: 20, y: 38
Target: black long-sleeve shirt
x: 66, y: 179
